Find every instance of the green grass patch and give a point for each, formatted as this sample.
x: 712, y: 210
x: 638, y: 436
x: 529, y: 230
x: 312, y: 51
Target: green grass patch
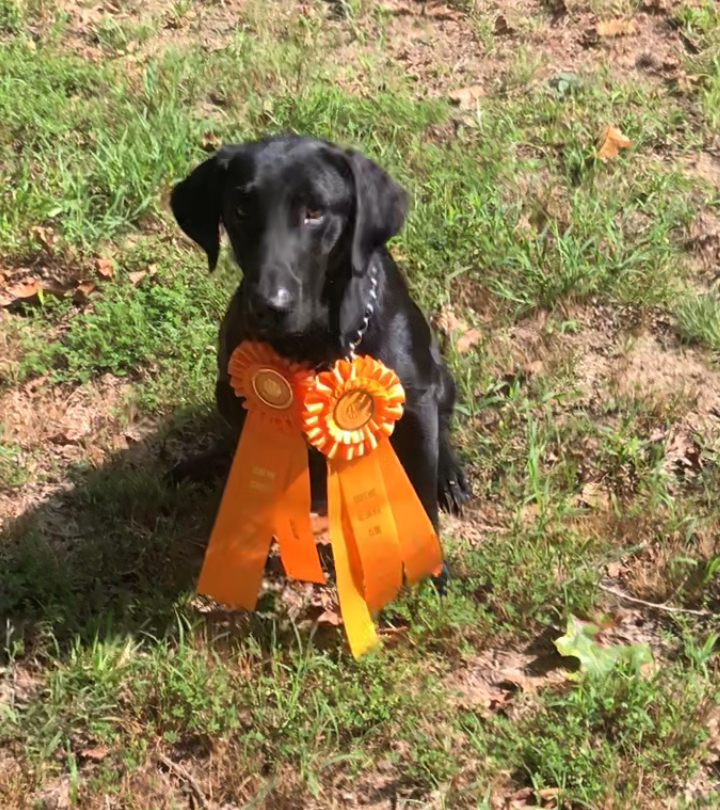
x: 107, y: 662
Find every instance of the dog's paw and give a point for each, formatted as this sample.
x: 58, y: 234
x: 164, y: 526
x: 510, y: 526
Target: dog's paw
x: 205, y: 468
x: 454, y: 489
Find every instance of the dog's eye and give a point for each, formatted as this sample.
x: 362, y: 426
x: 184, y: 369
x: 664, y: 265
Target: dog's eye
x: 240, y: 212
x: 313, y: 216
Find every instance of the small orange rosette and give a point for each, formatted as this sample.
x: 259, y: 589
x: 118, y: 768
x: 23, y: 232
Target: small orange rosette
x: 378, y: 527
x: 268, y: 489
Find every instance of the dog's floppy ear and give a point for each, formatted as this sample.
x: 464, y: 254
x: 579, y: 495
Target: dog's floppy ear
x: 195, y: 203
x: 381, y: 206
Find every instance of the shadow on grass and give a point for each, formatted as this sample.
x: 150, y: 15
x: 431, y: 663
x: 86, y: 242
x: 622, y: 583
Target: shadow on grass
x: 117, y: 551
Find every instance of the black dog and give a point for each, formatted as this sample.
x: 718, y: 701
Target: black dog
x: 308, y: 223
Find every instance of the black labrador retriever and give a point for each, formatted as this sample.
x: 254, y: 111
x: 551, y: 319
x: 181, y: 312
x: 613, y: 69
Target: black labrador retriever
x: 308, y: 223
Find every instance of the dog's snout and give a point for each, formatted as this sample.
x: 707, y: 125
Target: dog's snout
x: 268, y: 310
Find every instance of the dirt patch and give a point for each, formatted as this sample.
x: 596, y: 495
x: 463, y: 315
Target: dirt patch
x: 651, y: 368
x: 703, y: 244
x: 36, y: 415
x: 137, y: 30
x: 510, y: 45
x: 707, y: 166
x: 51, y: 427
x: 488, y: 681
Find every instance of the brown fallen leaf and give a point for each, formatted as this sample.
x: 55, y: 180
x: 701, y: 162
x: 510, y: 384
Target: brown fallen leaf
x: 466, y: 97
x: 532, y: 369
x: 82, y: 292
x: 97, y: 754
x: 611, y: 142
x: 29, y: 290
x: 138, y: 275
x: 448, y: 322
x: 529, y: 513
x: 441, y: 12
x: 467, y: 340
x: 19, y: 292
x: 615, y: 28
x: 398, y: 9
x: 210, y: 142
x: 44, y: 236
x: 330, y: 617
x: 593, y: 495
x: 104, y: 268
x: 683, y: 456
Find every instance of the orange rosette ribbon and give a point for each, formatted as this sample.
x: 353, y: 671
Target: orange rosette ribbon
x: 268, y: 489
x: 378, y: 526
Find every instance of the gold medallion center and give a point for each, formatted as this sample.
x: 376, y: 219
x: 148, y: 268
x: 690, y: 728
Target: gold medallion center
x: 354, y: 410
x: 272, y: 388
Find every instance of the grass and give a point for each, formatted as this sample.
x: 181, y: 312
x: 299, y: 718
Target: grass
x: 593, y: 456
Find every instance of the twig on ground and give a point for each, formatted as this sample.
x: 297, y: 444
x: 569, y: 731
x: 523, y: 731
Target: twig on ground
x: 182, y: 774
x: 654, y: 605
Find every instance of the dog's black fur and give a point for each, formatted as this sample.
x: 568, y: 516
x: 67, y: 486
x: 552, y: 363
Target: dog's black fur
x: 308, y: 223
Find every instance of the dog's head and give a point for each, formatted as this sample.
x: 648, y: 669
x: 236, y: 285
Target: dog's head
x: 304, y: 218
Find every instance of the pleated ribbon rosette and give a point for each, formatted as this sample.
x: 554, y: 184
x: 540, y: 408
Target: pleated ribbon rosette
x: 378, y: 527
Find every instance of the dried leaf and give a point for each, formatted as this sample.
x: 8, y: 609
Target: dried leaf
x: 615, y: 28
x: 611, y: 142
x: 441, y: 12
x: 104, y: 268
x: 593, y: 495
x: 210, y: 142
x: 529, y: 513
x: 44, y: 236
x: 29, y: 290
x: 683, y: 455
x: 398, y: 8
x: 548, y: 793
x: 19, y: 292
x: 138, y: 275
x: 82, y: 292
x: 466, y: 97
x: 448, y: 322
x: 97, y: 754
x: 532, y: 369
x: 330, y: 617
x: 467, y: 340
x: 450, y: 325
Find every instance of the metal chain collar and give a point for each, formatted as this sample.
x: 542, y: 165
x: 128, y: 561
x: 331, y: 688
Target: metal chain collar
x: 369, y: 309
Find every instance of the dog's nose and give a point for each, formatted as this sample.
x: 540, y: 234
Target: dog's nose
x: 269, y: 310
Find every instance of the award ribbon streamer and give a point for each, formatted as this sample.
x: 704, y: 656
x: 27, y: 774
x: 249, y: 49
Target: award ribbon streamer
x: 378, y: 526
x: 268, y: 488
